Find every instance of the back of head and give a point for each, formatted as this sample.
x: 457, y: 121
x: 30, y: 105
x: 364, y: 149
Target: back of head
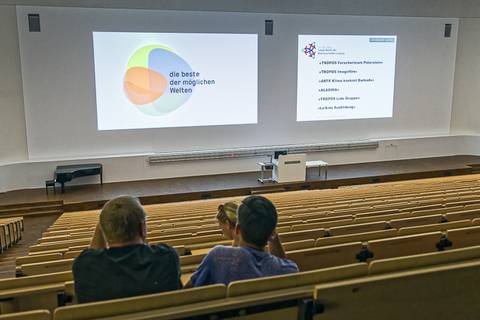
x: 257, y: 218
x: 227, y: 213
x: 121, y: 219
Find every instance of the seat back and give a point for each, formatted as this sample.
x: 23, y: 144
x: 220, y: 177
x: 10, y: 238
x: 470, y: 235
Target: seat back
x: 194, y: 240
x: 423, y: 260
x: 434, y: 227
x: 28, y: 315
x: 334, y: 222
x: 302, y: 235
x: 428, y: 212
x: 72, y: 254
x: 461, y: 215
x: 38, y: 258
x: 297, y: 245
x: 124, y: 306
x: 464, y: 237
x: 404, y: 245
x: 364, y: 236
x: 383, y: 217
x: 444, y: 292
x: 32, y: 293
x: 252, y: 286
x: 416, y: 221
x: 17, y: 283
x: 357, y: 228
x: 325, y: 257
x: 59, y: 245
x: 32, y: 269
x: 191, y: 259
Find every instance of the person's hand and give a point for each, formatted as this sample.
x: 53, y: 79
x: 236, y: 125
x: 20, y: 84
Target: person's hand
x: 273, y: 237
x: 98, y: 240
x: 275, y: 246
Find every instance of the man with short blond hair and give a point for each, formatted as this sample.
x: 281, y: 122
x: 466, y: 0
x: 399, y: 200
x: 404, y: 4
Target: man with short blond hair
x: 119, y: 263
x: 122, y: 220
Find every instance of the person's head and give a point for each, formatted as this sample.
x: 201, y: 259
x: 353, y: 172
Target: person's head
x: 257, y: 219
x: 227, y: 218
x: 123, y: 221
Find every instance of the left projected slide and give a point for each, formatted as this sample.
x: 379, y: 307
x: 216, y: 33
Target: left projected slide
x: 164, y: 80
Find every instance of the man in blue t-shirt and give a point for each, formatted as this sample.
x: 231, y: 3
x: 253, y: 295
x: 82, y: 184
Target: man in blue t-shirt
x: 119, y: 263
x: 257, y: 220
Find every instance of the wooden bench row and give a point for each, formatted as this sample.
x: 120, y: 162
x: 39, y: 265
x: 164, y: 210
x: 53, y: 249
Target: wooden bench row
x: 300, y: 230
x: 88, y: 225
x: 79, y: 219
x: 464, y: 193
x: 438, y: 285
x: 311, y: 252
x: 158, y: 229
x: 197, y: 204
x: 11, y: 231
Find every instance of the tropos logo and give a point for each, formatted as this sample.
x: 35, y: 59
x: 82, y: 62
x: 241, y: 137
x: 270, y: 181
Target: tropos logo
x: 310, y: 50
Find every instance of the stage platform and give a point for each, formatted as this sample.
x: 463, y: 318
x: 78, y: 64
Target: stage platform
x: 214, y: 186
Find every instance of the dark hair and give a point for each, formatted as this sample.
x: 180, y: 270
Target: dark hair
x: 257, y: 218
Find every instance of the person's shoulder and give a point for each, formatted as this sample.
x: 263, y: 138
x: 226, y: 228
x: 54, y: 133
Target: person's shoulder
x: 220, y: 252
x: 223, y: 250
x: 162, y: 249
x: 288, y: 265
x: 87, y: 256
x: 90, y: 253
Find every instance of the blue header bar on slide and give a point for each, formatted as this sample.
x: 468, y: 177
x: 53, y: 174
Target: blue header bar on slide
x: 389, y: 39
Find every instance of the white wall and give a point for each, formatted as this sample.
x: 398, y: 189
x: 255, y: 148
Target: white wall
x: 22, y: 173
x: 59, y: 90
x: 466, y: 107
x: 13, y: 145
x: 32, y: 174
x: 407, y: 8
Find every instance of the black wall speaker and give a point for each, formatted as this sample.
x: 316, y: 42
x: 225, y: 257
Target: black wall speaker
x: 448, y: 30
x: 33, y: 22
x: 269, y: 27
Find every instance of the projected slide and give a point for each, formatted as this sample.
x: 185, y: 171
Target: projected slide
x: 161, y: 80
x: 345, y: 77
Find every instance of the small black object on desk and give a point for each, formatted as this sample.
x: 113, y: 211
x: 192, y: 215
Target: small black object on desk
x: 50, y: 183
x: 67, y: 173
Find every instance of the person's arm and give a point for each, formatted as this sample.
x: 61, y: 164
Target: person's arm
x: 98, y: 240
x: 201, y: 276
x: 177, y: 267
x: 275, y: 246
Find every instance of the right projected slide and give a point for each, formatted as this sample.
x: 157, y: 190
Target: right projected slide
x: 345, y: 77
